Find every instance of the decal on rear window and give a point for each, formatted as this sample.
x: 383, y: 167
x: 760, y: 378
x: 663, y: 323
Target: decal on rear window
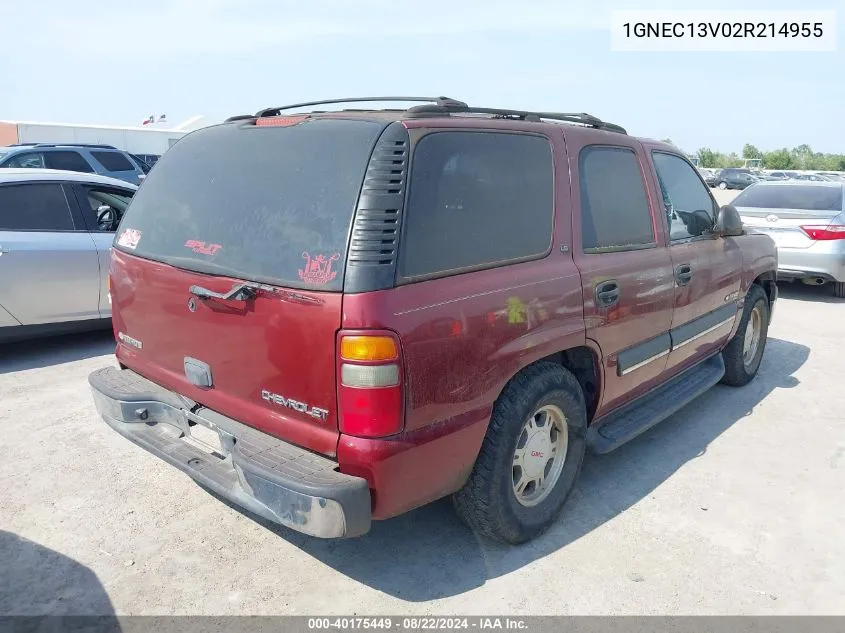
x: 129, y: 238
x: 318, y: 269
x: 202, y: 248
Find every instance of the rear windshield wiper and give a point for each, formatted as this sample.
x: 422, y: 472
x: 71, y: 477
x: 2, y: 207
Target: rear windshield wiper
x: 239, y: 292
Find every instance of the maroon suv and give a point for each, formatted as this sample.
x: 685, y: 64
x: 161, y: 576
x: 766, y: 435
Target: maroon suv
x: 334, y: 317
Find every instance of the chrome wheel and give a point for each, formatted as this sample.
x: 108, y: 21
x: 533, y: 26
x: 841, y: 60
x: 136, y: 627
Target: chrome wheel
x: 540, y: 454
x: 753, y: 330
x: 723, y: 185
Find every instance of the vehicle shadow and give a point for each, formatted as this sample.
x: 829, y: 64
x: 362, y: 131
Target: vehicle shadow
x: 802, y: 292
x: 429, y: 554
x: 45, y: 352
x: 38, y: 582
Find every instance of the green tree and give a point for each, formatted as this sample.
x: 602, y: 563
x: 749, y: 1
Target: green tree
x: 803, y: 155
x: 750, y: 151
x: 778, y: 159
x: 707, y: 157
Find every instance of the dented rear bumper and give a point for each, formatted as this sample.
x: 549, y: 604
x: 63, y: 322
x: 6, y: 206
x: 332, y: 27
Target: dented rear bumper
x: 276, y: 480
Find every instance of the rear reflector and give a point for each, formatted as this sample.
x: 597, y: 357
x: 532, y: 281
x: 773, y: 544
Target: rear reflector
x: 830, y: 232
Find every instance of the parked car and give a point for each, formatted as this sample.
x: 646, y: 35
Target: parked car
x: 54, y: 250
x: 709, y: 176
x: 105, y: 160
x: 731, y: 178
x: 330, y: 318
x: 806, y: 221
x: 779, y: 175
x: 811, y: 178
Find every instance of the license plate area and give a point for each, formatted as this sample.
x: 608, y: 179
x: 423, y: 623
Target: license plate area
x: 205, y: 439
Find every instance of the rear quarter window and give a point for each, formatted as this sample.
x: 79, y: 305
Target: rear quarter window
x: 477, y: 199
x: 113, y: 161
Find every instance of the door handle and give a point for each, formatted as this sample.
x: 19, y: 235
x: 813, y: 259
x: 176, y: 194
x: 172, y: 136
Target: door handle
x: 683, y: 274
x: 3, y: 250
x: 607, y: 293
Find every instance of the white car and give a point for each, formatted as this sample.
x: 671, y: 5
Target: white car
x: 56, y: 232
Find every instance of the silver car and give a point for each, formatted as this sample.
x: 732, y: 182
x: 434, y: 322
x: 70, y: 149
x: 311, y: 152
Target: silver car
x: 806, y: 221
x: 56, y: 232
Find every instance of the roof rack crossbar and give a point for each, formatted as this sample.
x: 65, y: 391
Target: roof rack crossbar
x: 570, y: 117
x: 441, y: 102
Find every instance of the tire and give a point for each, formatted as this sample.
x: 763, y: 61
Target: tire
x: 741, y: 364
x: 839, y: 289
x: 489, y: 502
x: 723, y: 185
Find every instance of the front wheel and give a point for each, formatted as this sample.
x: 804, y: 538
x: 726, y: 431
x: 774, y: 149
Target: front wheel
x: 530, y: 457
x: 723, y: 185
x: 745, y: 351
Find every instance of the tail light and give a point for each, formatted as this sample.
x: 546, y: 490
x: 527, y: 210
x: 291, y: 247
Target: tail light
x: 370, y: 392
x: 827, y: 232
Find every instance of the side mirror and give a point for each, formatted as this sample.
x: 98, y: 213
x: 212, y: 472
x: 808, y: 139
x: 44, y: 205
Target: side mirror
x: 729, y: 223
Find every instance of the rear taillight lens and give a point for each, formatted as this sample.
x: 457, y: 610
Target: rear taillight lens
x: 369, y: 375
x: 829, y: 232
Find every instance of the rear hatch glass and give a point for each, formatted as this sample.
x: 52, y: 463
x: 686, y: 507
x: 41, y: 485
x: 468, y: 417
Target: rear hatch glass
x: 267, y: 204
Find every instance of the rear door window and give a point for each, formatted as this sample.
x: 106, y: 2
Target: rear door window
x: 477, y: 199
x: 68, y: 160
x: 34, y: 207
x: 614, y: 208
x: 271, y: 204
x: 113, y: 161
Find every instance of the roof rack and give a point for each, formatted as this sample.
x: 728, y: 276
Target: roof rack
x: 440, y: 106
x: 442, y: 102
x: 93, y: 145
x: 570, y: 117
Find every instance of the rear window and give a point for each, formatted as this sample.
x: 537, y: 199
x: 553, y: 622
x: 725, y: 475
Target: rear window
x: 269, y: 204
x: 804, y: 197
x: 113, y: 161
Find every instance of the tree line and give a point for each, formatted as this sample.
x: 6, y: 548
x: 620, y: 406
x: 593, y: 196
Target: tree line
x: 801, y: 157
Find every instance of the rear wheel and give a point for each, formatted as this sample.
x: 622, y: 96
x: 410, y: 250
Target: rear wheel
x: 530, y: 457
x: 745, y: 351
x: 723, y: 185
x: 839, y: 288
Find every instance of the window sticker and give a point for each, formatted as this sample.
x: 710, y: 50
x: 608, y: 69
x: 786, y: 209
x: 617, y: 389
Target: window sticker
x: 202, y: 248
x: 129, y: 238
x: 318, y: 269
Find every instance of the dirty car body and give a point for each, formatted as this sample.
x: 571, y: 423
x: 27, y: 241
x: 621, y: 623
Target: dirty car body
x: 331, y: 332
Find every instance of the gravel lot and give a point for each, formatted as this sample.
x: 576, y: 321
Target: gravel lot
x: 734, y: 505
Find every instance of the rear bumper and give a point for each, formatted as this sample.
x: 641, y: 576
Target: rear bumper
x: 823, y: 259
x: 276, y: 480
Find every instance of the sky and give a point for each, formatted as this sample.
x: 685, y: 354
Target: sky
x: 115, y: 63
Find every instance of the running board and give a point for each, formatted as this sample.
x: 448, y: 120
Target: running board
x: 624, y: 424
